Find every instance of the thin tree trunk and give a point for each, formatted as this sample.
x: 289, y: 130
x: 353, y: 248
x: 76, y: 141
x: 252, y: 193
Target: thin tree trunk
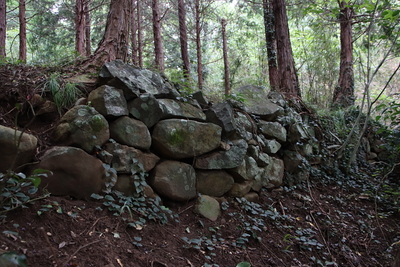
x: 288, y: 80
x: 158, y: 46
x: 88, y: 29
x: 22, y: 31
x: 114, y: 44
x: 183, y: 39
x: 135, y: 58
x: 226, y: 63
x: 80, y: 27
x: 198, y: 46
x: 343, y: 95
x: 139, y: 35
x: 269, y: 26
x: 3, y: 24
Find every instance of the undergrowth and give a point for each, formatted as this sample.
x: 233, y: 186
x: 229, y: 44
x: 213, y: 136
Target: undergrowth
x: 126, y: 206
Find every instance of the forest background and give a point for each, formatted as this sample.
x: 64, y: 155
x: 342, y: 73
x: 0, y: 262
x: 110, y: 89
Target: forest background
x: 158, y: 33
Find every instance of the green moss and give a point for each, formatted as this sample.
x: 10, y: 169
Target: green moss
x: 97, y: 123
x: 176, y: 137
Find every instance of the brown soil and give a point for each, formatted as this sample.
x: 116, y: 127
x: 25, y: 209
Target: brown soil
x: 312, y: 224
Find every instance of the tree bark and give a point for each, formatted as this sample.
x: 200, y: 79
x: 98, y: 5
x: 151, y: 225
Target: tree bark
x: 225, y: 54
x: 269, y: 26
x: 3, y: 23
x: 114, y: 44
x: 158, y: 46
x: 343, y: 95
x: 135, y: 58
x: 139, y: 35
x: 198, y: 46
x: 88, y: 42
x: 183, y: 39
x: 288, y: 80
x: 80, y: 27
x: 22, y: 31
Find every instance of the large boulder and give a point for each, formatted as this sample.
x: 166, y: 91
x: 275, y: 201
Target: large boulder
x: 134, y: 81
x: 222, y: 114
x: 227, y: 159
x: 150, y: 110
x: 174, y: 180
x: 15, y: 149
x: 124, y: 159
x: 131, y: 132
x: 108, y: 101
x: 82, y: 126
x: 275, y: 173
x: 213, y: 183
x: 179, y: 138
x: 74, y: 172
x: 176, y: 109
x: 273, y: 130
x: 264, y: 108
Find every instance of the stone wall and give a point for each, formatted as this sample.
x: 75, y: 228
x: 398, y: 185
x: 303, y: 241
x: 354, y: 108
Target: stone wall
x: 187, y: 145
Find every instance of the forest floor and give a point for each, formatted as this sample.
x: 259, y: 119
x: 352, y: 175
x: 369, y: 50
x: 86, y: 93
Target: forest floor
x: 323, y: 221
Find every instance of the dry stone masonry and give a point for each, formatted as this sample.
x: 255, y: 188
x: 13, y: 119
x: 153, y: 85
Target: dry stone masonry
x: 191, y: 150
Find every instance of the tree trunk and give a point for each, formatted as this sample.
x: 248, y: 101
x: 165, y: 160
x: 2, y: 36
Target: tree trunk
x: 22, y: 31
x: 114, y: 44
x: 135, y: 58
x: 198, y: 46
x: 183, y: 39
x: 158, y: 46
x: 225, y: 53
x: 80, y: 27
x: 288, y: 80
x: 269, y: 26
x: 88, y: 29
x: 139, y: 35
x: 3, y: 22
x: 343, y: 95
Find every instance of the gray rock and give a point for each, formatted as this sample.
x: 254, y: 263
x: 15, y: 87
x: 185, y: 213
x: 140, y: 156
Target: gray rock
x: 200, y: 98
x: 240, y: 189
x: 82, y: 126
x: 124, y: 159
x: 277, y: 98
x: 271, y: 146
x: 10, y: 150
x: 134, y: 81
x: 293, y: 161
x: 297, y: 131
x: 108, y: 101
x: 239, y: 172
x: 131, y: 132
x: 229, y: 159
x: 146, y: 109
x: 273, y: 130
x: 275, y: 173
x: 74, y: 172
x: 263, y: 108
x: 261, y: 158
x: 208, y: 207
x: 213, y: 183
x: 222, y: 115
x: 174, y: 180
x: 175, y: 109
x: 179, y: 138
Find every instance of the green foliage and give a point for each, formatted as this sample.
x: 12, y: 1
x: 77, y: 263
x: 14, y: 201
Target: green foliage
x: 125, y: 206
x: 64, y: 93
x: 17, y: 189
